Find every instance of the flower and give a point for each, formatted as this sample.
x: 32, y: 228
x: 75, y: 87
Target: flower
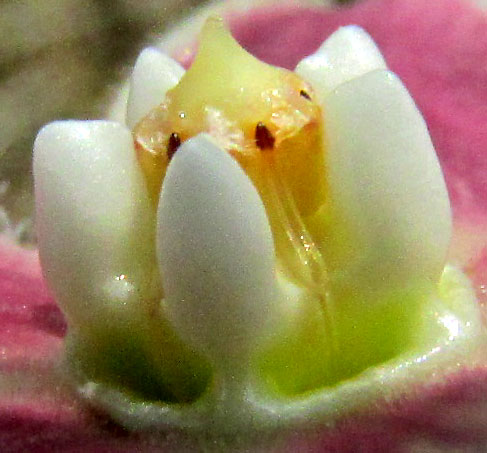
x: 201, y: 340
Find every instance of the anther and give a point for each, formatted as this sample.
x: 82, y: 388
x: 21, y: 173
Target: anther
x: 263, y: 137
x: 305, y: 95
x: 173, y: 144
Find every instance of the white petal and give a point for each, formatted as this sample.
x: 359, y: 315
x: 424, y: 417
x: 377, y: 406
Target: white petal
x: 154, y: 74
x: 348, y: 53
x: 216, y: 251
x: 390, y: 211
x: 94, y: 219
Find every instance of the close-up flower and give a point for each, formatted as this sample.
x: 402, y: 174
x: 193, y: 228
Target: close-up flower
x: 259, y: 258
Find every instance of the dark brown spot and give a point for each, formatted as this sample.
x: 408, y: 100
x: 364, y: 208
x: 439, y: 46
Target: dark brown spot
x: 305, y: 95
x: 173, y: 144
x: 263, y: 137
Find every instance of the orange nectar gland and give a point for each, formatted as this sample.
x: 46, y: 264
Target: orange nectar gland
x: 267, y: 119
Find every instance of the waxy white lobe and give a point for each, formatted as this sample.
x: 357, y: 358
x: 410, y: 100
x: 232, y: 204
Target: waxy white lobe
x: 347, y: 54
x: 154, y: 74
x: 215, y: 252
x: 388, y: 218
x: 94, y: 220
x: 389, y: 213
